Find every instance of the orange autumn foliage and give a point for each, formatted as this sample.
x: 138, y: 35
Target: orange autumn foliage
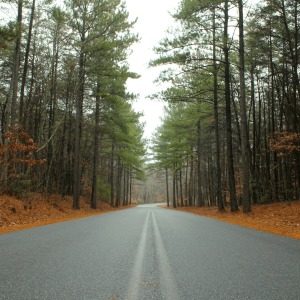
x: 16, y: 163
x: 284, y: 142
x: 18, y: 142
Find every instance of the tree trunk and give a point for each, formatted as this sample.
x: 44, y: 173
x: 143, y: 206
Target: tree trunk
x: 127, y: 187
x: 16, y: 66
x: 78, y: 121
x: 112, y: 174
x: 174, y: 189
x: 200, y: 201
x: 130, y: 187
x: 96, y: 151
x: 254, y: 177
x: 180, y: 182
x: 191, y: 181
x: 233, y: 199
x: 124, y: 188
x: 119, y: 178
x: 26, y: 64
x: 186, y: 180
x: 244, y: 134
x: 177, y: 189
x: 275, y: 169
x: 167, y: 182
x: 216, y: 114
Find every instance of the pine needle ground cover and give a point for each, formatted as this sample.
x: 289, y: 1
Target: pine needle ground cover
x: 16, y: 214
x: 279, y: 218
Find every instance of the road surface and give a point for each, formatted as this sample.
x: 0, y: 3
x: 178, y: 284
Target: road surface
x: 148, y: 253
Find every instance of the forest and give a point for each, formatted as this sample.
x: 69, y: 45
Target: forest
x: 206, y: 206
x: 67, y: 125
x: 230, y: 131
x: 229, y: 134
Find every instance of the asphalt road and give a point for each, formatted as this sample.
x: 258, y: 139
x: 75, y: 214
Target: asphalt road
x: 148, y: 253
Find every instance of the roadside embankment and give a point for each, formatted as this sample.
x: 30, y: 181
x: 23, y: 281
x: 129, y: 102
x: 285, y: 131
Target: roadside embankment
x: 279, y: 218
x: 17, y: 214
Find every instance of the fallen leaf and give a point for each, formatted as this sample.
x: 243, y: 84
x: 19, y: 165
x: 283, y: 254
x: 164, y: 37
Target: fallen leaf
x: 271, y: 218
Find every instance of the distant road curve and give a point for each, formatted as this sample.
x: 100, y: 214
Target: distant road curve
x: 148, y: 252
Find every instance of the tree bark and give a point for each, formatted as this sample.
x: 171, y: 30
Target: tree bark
x: 130, y: 187
x: 233, y: 199
x: 96, y: 150
x: 181, y: 193
x: 26, y: 64
x: 124, y: 187
x: 275, y: 169
x: 216, y: 114
x: 78, y: 121
x: 191, y: 181
x: 254, y: 177
x: 119, y: 178
x: 200, y: 201
x: 167, y: 183
x: 244, y: 134
x: 112, y: 174
x: 16, y: 66
x: 174, y: 189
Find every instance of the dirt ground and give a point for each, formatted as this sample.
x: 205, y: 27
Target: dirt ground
x: 279, y: 218
x: 16, y: 214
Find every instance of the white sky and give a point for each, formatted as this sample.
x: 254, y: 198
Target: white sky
x: 153, y: 21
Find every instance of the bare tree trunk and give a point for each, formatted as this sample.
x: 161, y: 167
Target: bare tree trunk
x: 96, y: 151
x: 119, y: 182
x: 77, y: 163
x: 16, y: 66
x: 167, y: 182
x: 216, y: 114
x: 127, y: 187
x: 254, y: 177
x: 124, y: 188
x: 174, y: 191
x: 78, y: 121
x: 28, y: 113
x: 186, y: 180
x: 130, y: 187
x: 117, y: 204
x: 177, y: 189
x: 200, y: 201
x: 112, y: 174
x: 181, y: 193
x: 275, y: 167
x: 191, y: 181
x: 233, y: 199
x: 245, y: 160
x: 26, y: 64
x: 52, y: 112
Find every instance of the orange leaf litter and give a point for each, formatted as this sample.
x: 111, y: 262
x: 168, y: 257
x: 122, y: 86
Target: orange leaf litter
x: 15, y: 214
x: 18, y: 214
x: 279, y: 218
